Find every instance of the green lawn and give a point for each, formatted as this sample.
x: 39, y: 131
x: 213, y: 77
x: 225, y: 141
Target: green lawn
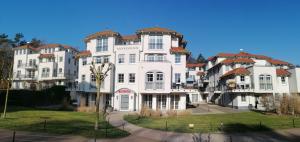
x: 59, y: 122
x: 236, y: 122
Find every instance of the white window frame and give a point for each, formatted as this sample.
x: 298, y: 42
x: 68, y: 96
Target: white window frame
x: 102, y: 44
x: 132, y: 58
x: 121, y: 58
x: 177, y: 58
x: 131, y: 78
x: 121, y: 78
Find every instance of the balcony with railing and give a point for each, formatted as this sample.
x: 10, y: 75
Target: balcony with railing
x: 154, y: 85
x: 24, y: 77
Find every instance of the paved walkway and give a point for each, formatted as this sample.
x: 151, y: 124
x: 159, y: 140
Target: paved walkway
x: 139, y: 134
x: 213, y: 109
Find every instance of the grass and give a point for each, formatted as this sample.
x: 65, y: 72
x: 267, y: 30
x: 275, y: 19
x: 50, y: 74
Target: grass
x: 235, y: 122
x: 59, y: 122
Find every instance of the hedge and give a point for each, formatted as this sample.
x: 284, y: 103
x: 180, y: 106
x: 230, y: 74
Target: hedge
x: 30, y: 98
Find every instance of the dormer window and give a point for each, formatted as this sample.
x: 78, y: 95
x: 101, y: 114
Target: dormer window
x: 156, y: 42
x: 102, y: 45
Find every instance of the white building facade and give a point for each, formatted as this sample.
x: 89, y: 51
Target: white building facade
x: 44, y: 66
x: 149, y: 70
x: 242, y: 80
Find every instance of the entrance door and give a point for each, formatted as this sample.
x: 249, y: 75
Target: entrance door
x: 124, y: 102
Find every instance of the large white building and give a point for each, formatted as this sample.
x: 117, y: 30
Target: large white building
x: 149, y: 70
x: 240, y: 80
x: 43, y: 67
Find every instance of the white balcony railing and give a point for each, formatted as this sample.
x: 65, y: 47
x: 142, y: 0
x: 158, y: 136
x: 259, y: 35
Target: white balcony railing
x: 154, y: 85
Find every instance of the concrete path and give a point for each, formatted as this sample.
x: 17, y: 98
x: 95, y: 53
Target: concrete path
x: 139, y: 134
x: 213, y: 109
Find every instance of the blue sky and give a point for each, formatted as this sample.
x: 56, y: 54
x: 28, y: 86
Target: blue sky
x: 269, y: 27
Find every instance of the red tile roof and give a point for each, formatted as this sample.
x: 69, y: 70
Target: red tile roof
x: 106, y: 33
x: 84, y: 54
x: 46, y: 56
x: 200, y: 73
x: 277, y: 62
x: 27, y: 46
x: 180, y: 50
x: 192, y: 65
x: 238, y: 60
x: 130, y: 37
x: 282, y: 72
x: 237, y: 71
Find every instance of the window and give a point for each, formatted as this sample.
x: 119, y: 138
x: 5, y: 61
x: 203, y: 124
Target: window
x: 61, y: 59
x: 18, y: 73
x: 19, y: 63
x: 243, y: 98
x: 174, y: 102
x: 242, y: 78
x: 106, y: 59
x: 83, y: 78
x: 227, y: 68
x: 147, y: 101
x: 69, y: 60
x: 283, y: 81
x: 121, y: 78
x: 177, y: 78
x: 150, y: 77
x: 132, y: 58
x: 45, y: 72
x: 161, y: 102
x: 156, y: 42
x: 159, y: 76
x: 60, y: 70
x: 16, y: 52
x: 84, y: 61
x: 102, y: 45
x: 159, y: 57
x: 93, y: 78
x: 177, y: 58
x: 132, y: 78
x: 150, y: 58
x: 265, y: 82
x: 194, y: 98
x: 121, y: 58
x: 98, y: 60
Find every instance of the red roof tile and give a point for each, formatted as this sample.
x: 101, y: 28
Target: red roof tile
x: 27, y: 46
x: 100, y: 34
x: 238, y: 60
x: 192, y: 65
x: 237, y: 71
x: 84, y: 54
x: 46, y: 56
x: 277, y: 62
x: 282, y: 72
x: 130, y: 37
x: 179, y: 50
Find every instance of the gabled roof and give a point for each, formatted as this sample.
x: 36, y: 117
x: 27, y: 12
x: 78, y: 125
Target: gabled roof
x: 237, y: 71
x: 282, y: 72
x: 86, y: 53
x: 179, y: 50
x: 46, y: 56
x: 192, y: 65
x: 107, y: 33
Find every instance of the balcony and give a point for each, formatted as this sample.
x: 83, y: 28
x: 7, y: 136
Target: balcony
x: 27, y: 66
x: 154, y: 85
x: 24, y: 77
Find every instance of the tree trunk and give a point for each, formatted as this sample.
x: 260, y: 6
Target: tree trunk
x: 7, y: 89
x: 97, y: 107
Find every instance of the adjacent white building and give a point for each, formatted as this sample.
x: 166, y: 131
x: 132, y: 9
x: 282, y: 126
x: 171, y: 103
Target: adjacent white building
x: 240, y: 80
x: 43, y: 67
x: 149, y: 70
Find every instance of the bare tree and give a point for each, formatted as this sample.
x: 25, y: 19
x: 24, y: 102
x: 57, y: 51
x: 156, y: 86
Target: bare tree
x: 8, y: 81
x: 100, y: 72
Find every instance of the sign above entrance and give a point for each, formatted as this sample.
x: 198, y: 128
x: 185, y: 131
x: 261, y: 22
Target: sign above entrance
x: 124, y: 90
